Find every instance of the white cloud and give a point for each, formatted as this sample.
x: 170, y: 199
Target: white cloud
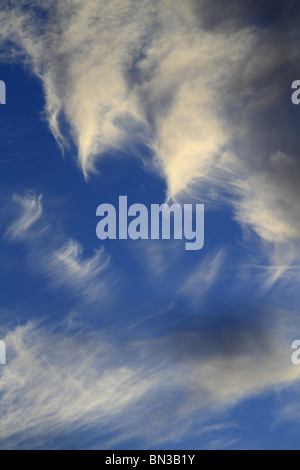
x: 267, y: 203
x: 53, y: 382
x: 56, y: 384
x: 31, y: 210
x: 106, y: 64
x: 269, y: 200
x: 67, y: 268
x: 204, y: 276
x: 124, y: 71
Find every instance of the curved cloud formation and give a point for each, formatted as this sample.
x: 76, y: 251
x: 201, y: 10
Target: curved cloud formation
x: 31, y: 210
x: 199, y: 86
x: 66, y: 266
x: 106, y: 63
x: 109, y: 387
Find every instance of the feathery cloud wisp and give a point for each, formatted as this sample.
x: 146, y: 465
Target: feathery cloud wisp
x: 31, y: 210
x: 113, y: 68
x: 56, y: 382
x: 66, y: 267
x: 131, y: 71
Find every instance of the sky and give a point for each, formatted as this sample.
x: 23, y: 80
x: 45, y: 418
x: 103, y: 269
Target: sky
x: 140, y: 344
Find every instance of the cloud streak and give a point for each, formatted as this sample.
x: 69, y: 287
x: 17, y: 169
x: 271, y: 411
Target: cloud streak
x: 66, y: 266
x: 184, y: 79
x: 204, y: 90
x: 129, y: 70
x: 57, y: 381
x: 204, y: 276
x: 30, y: 212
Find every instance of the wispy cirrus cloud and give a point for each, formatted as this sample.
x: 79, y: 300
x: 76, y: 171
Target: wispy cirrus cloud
x: 62, y: 262
x: 204, y: 276
x: 135, y: 71
x: 125, y: 60
x: 31, y: 210
x: 67, y: 267
x: 55, y: 382
x: 188, y: 80
x: 64, y: 382
x: 204, y: 86
x: 269, y: 200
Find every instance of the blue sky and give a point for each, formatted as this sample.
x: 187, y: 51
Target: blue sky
x: 140, y: 344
